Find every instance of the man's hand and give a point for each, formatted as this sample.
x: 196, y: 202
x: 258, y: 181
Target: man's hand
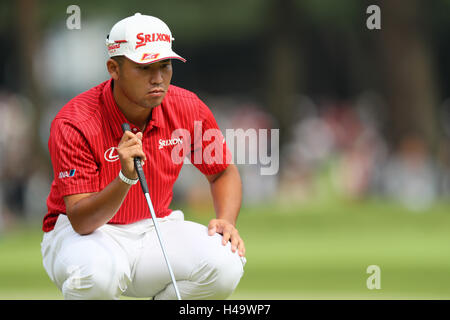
x: 229, y: 233
x: 130, y: 146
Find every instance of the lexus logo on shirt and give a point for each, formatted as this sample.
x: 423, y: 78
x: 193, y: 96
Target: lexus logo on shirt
x: 111, y: 154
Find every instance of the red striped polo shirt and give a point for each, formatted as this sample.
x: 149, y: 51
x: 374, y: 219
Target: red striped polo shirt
x: 86, y: 131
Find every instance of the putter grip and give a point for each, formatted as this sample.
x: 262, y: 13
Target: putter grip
x: 137, y: 164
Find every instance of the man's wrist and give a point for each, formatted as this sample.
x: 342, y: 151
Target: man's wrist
x: 227, y: 219
x: 127, y: 180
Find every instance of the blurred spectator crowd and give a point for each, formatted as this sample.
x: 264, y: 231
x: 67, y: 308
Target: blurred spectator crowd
x: 336, y: 150
x: 24, y: 187
x: 334, y: 147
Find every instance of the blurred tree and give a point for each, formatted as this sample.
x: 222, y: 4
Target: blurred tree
x: 409, y: 80
x: 28, y: 30
x: 282, y: 62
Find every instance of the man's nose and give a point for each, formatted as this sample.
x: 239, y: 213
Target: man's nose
x: 156, y: 76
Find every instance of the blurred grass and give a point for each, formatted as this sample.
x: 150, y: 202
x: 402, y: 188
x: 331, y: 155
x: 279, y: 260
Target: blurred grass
x: 323, y: 251
x: 298, y: 251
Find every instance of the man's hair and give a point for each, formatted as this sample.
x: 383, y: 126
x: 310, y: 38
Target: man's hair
x: 118, y: 59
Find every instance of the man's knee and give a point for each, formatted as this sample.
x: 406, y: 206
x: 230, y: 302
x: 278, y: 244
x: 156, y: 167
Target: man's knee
x: 94, y: 275
x: 90, y: 283
x: 223, y: 275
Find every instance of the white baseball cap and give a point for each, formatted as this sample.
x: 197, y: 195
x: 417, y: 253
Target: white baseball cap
x: 142, y: 39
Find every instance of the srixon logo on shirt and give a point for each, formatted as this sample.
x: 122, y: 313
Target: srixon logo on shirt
x: 169, y: 142
x: 67, y: 174
x: 151, y: 37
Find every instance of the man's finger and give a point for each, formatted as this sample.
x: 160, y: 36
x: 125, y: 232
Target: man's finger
x: 226, y: 237
x: 130, y: 142
x: 241, y: 248
x: 136, y: 151
x: 234, y: 242
x: 127, y: 135
x: 212, y: 227
x: 212, y: 231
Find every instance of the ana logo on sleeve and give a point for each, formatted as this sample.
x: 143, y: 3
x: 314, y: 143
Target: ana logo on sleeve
x: 67, y: 174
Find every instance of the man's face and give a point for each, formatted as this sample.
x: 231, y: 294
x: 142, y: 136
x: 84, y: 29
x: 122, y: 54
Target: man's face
x: 144, y: 84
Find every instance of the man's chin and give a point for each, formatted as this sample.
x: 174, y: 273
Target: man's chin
x: 150, y: 104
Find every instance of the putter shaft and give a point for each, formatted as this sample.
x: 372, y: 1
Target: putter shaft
x: 155, y: 223
x: 144, y: 186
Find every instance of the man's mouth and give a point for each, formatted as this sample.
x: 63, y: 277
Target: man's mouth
x: 156, y: 92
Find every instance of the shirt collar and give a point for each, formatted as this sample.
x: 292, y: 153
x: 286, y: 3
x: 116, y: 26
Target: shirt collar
x: 115, y: 116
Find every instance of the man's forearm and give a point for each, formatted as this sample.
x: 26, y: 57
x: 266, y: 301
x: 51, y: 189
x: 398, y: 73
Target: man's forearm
x: 226, y: 192
x: 87, y: 212
x: 94, y: 210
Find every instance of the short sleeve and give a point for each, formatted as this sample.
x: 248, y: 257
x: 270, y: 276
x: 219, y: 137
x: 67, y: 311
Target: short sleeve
x: 74, y: 165
x: 209, y: 152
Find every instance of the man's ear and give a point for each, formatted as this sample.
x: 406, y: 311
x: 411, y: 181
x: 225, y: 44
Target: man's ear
x: 113, y: 68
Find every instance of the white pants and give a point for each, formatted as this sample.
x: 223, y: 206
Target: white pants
x: 127, y: 259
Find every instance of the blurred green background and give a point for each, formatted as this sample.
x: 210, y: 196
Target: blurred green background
x: 364, y: 121
x: 314, y: 251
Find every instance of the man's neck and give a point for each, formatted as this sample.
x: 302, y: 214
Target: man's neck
x: 134, y: 113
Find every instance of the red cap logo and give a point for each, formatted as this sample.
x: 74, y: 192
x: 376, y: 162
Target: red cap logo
x: 151, y: 37
x: 149, y: 56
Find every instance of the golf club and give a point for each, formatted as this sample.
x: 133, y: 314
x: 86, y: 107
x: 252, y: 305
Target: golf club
x: 143, y: 181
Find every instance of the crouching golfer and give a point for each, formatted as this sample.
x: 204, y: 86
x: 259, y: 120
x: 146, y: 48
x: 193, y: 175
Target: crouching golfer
x: 99, y: 239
